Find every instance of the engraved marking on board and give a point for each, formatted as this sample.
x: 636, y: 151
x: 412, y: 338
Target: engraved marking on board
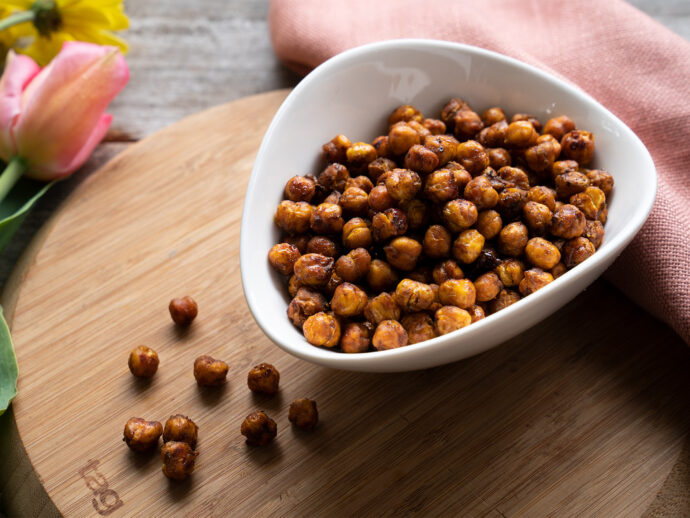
x: 105, y: 500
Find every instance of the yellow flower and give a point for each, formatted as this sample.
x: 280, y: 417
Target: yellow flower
x: 9, y: 37
x: 57, y: 21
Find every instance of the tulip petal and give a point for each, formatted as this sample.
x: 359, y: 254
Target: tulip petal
x: 64, y: 103
x: 84, y: 153
x: 19, y: 71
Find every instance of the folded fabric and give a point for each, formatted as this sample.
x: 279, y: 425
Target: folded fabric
x: 632, y: 65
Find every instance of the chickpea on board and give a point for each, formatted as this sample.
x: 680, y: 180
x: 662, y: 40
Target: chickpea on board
x: 143, y: 362
x: 259, y: 429
x: 263, y: 378
x: 178, y: 460
x: 303, y: 413
x: 440, y: 221
x: 209, y: 372
x: 141, y: 435
x: 181, y: 428
x: 183, y: 310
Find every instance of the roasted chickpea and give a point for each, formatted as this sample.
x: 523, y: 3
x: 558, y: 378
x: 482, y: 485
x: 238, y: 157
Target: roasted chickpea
x: 359, y: 155
x: 357, y: 234
x: 333, y: 198
x: 416, y: 212
x: 403, y: 184
x: 489, y: 223
x: 591, y: 202
x: 559, y: 126
x: 512, y: 239
x: 488, y: 260
x: 327, y: 219
x: 476, y: 313
x: 568, y: 222
x: 259, y: 429
x: 322, y: 329
x: 380, y: 144
x: 504, y: 299
x: 440, y: 186
x: 466, y: 124
x: 570, y: 183
x: 380, y: 199
x: 313, y: 270
x: 447, y: 270
x: 514, y: 177
x: 578, y: 145
x: 300, y: 188
x: 459, y: 214
x: 404, y: 113
x: 335, y: 150
x: 457, y: 292
x: 435, y: 126
x: 558, y: 270
x: 577, y: 250
x: 534, y: 279
x: 143, y: 362
x: 468, y: 246
x: 209, y: 372
x: 437, y: 241
x: 594, y: 231
x: 354, y: 265
x: 381, y: 276
x: 510, y: 272
x: 333, y: 282
x: 403, y: 252
x: 537, y: 217
x: 413, y: 296
x: 300, y: 242
x: 382, y: 307
x: 387, y: 224
x: 293, y: 286
x: 282, y: 257
x: 521, y: 134
x: 401, y: 137
x: 603, y: 214
x: 322, y: 245
x: 564, y: 166
x: 348, y: 300
x: 529, y: 118
x: 493, y: 115
x: 181, y: 428
x: 499, y: 157
x: 601, y: 179
x: 487, y: 286
x: 421, y: 159
x: 178, y: 460
x: 542, y: 253
x: 355, y: 201
x: 480, y: 192
x: 356, y: 338
x: 450, y: 109
x: 544, y: 195
x: 472, y: 156
x: 443, y: 146
x: 451, y: 318
x: 293, y: 216
x: 142, y: 435
x: 379, y: 167
x: 303, y: 413
x: 494, y: 136
x: 334, y: 177
x: 511, y: 202
x: 389, y: 334
x: 306, y: 303
x: 360, y: 182
x: 419, y: 327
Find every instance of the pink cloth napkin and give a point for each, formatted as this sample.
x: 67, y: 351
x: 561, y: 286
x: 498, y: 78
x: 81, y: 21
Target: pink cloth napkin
x: 628, y: 62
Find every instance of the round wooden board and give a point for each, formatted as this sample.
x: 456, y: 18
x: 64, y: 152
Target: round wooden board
x: 581, y: 416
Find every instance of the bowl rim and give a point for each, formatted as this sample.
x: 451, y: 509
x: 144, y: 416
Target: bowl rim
x: 357, y: 361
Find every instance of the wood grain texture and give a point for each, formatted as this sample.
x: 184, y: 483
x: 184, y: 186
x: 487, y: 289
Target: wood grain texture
x: 580, y: 416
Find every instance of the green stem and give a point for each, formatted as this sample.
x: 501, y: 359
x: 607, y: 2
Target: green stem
x: 16, y: 19
x: 13, y: 172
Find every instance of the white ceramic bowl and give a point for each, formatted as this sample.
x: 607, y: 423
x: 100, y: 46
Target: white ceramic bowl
x: 353, y: 93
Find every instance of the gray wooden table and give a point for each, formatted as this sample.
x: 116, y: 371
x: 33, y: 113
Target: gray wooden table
x: 193, y: 55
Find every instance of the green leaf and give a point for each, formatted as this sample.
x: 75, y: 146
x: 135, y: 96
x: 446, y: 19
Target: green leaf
x: 17, y: 204
x: 8, y: 366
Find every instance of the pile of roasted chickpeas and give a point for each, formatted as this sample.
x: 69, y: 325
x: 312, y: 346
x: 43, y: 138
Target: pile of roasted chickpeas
x: 180, y: 433
x: 435, y: 224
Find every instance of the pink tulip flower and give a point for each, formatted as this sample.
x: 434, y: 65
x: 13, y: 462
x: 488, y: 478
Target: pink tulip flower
x: 53, y: 118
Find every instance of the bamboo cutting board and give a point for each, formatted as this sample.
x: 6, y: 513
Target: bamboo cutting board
x: 583, y: 415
